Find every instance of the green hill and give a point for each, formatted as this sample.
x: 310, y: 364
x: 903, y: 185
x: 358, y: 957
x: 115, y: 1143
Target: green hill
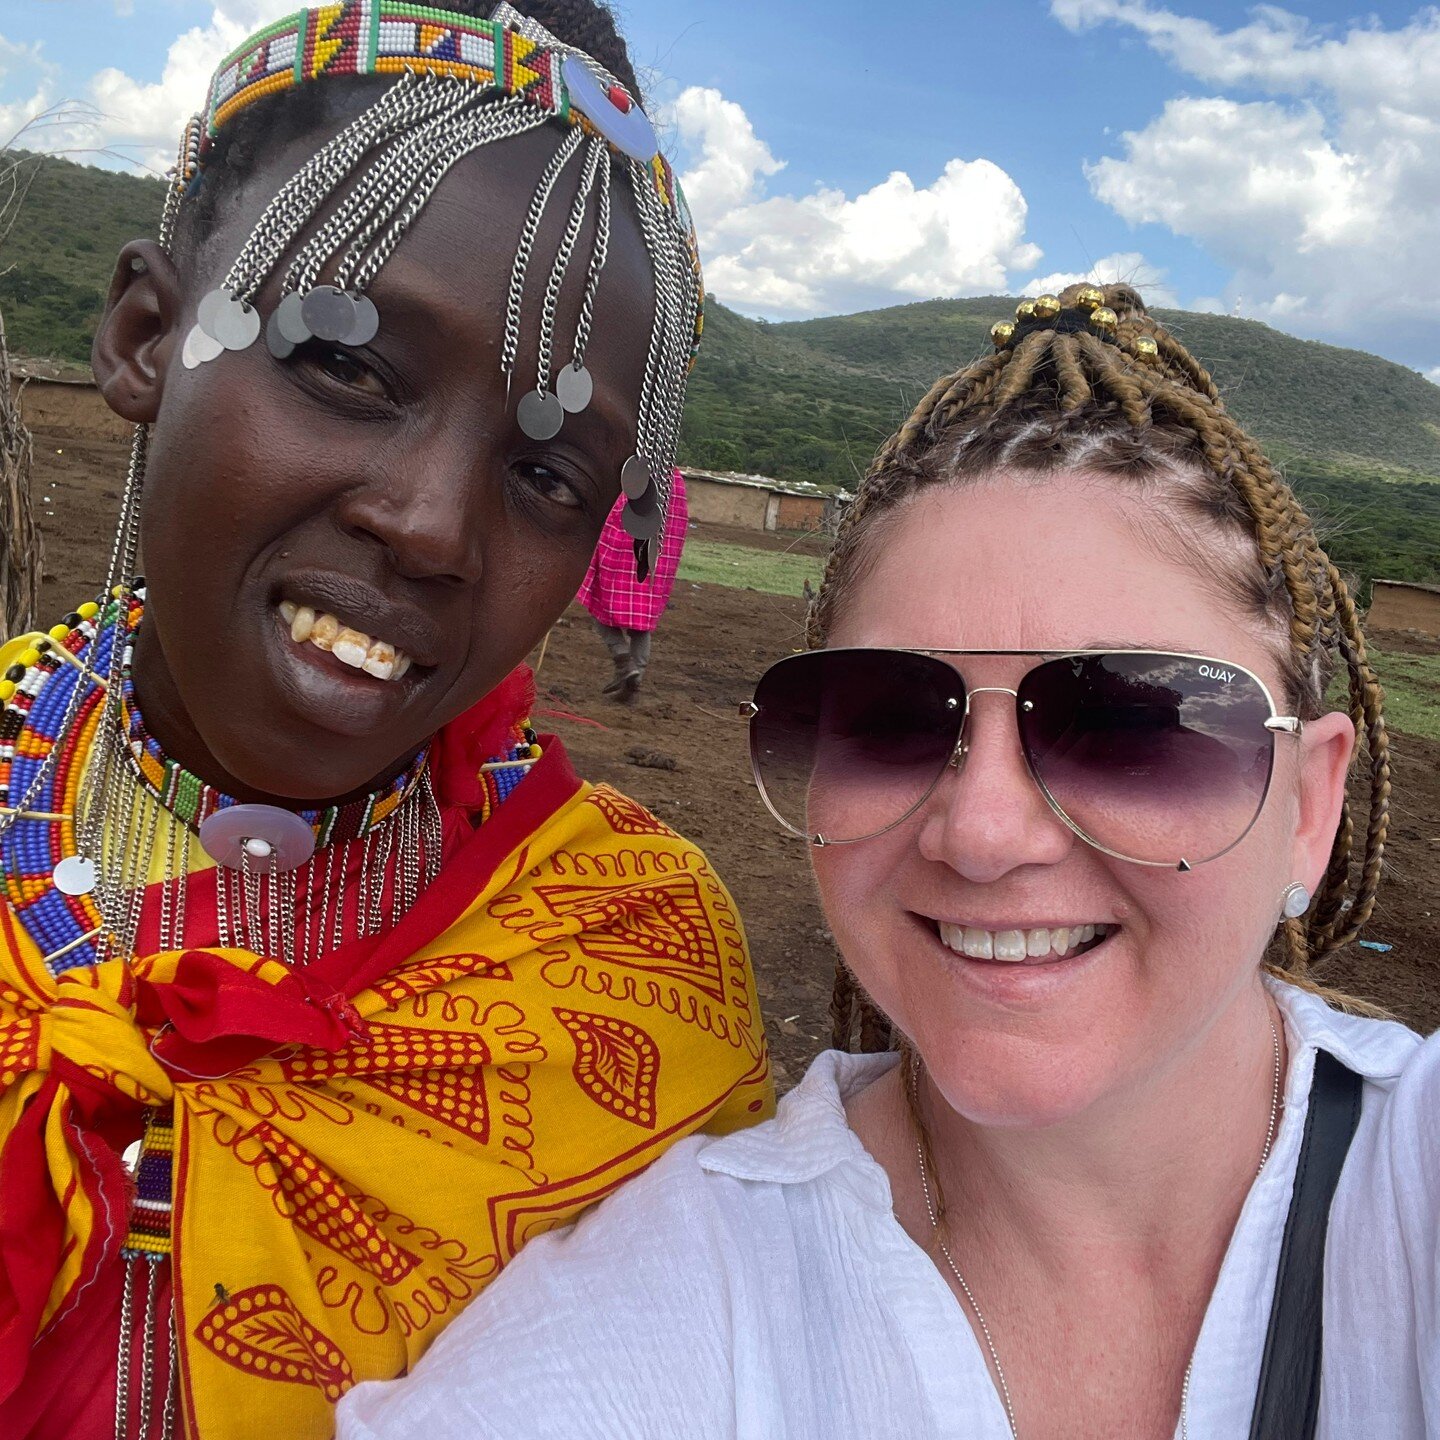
x: 810, y: 400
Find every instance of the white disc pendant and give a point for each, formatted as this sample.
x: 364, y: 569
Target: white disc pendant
x: 289, y: 321
x: 539, y: 415
x: 236, y: 325
x: 635, y: 477
x: 207, y: 312
x: 367, y: 322
x: 199, y: 348
x: 262, y: 835
x: 275, y: 340
x: 75, y: 875
x: 574, y: 386
x: 328, y: 313
x: 627, y: 129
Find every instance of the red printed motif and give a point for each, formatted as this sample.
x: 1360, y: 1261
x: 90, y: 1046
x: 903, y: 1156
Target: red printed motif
x: 261, y: 1331
x: 616, y: 1064
x: 625, y: 816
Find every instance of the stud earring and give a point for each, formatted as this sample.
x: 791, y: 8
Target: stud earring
x: 1295, y: 901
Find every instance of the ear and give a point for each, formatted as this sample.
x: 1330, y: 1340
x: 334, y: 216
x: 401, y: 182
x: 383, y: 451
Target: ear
x: 1326, y: 746
x: 137, y: 333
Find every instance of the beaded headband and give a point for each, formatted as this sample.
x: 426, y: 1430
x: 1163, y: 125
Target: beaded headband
x: 1088, y: 313
x: 461, y: 83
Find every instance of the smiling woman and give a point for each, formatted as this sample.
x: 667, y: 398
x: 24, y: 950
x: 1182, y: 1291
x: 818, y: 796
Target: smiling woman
x: 301, y: 916
x: 1075, y: 802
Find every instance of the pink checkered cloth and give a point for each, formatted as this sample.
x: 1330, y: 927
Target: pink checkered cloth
x: 610, y: 591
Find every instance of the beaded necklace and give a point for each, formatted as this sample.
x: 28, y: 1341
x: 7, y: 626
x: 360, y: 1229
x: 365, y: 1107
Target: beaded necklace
x: 390, y: 839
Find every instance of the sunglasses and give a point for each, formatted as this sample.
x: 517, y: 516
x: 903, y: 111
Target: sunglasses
x: 1156, y: 758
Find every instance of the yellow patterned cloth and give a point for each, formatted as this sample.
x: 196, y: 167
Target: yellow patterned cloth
x: 359, y: 1148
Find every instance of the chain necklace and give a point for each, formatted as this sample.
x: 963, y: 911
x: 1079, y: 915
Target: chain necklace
x: 970, y: 1294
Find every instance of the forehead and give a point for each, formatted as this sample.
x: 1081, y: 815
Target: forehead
x: 456, y: 256
x: 1052, y: 563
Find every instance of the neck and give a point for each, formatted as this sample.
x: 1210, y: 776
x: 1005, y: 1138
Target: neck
x: 168, y: 720
x: 1157, y: 1171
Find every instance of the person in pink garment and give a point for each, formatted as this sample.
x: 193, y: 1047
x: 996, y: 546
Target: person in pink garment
x: 626, y: 610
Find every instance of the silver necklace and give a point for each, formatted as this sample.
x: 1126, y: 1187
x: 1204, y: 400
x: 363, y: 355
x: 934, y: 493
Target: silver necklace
x: 970, y: 1294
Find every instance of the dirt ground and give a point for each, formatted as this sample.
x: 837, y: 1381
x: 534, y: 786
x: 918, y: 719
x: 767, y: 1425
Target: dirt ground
x: 708, y: 652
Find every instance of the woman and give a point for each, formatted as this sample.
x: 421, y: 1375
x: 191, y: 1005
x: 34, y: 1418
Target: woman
x: 1058, y: 814
x: 294, y: 896
x: 626, y: 612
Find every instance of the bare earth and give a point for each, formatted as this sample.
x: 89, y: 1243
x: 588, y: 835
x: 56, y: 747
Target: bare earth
x: 708, y: 652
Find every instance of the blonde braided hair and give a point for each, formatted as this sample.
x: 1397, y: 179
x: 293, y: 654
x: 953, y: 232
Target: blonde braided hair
x: 1133, y: 403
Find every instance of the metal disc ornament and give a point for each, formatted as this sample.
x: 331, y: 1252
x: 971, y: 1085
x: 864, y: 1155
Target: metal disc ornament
x: 329, y: 313
x: 635, y: 477
x: 199, y: 348
x: 75, y: 875
x: 641, y: 524
x: 208, y: 310
x: 540, y: 414
x: 622, y: 122
x: 290, y: 321
x: 227, y: 834
x: 237, y: 325
x: 275, y: 341
x: 366, y: 325
x: 574, y: 386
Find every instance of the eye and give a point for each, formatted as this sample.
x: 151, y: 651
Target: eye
x: 345, y: 368
x: 549, y: 484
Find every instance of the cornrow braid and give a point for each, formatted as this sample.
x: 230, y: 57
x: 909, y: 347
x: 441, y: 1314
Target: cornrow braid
x: 1090, y: 380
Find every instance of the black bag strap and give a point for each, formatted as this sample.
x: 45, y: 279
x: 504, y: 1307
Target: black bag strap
x: 1287, y: 1400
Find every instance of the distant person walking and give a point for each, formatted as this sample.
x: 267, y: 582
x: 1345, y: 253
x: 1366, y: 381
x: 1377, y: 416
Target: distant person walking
x: 625, y: 610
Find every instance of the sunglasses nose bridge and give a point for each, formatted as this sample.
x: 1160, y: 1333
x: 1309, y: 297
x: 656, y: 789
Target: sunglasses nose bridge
x: 962, y: 740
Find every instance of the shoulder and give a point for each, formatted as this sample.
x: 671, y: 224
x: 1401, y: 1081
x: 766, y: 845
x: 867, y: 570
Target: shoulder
x: 642, y: 1307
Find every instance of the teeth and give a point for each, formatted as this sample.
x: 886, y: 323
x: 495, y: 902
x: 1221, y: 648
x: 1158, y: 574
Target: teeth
x: 302, y: 622
x: 351, y: 647
x: 1016, y: 945
x: 380, y: 660
x: 324, y: 632
x: 978, y: 944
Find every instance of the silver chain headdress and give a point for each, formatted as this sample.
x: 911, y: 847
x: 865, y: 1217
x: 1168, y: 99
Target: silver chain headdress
x: 462, y: 83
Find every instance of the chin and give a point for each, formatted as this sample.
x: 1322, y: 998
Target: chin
x: 1009, y: 1091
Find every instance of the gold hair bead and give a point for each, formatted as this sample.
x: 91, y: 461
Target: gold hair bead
x: 1146, y: 348
x: 1047, y: 307
x: 1024, y: 311
x: 1001, y: 333
x: 1104, y: 319
x: 1090, y: 297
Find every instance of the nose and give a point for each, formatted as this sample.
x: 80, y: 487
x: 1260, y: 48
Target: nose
x: 987, y: 815
x: 431, y: 519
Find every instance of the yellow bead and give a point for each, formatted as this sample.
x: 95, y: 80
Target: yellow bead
x: 7, y: 690
x: 1025, y: 310
x: 59, y: 632
x: 1001, y: 332
x: 1089, y: 297
x: 1104, y: 319
x: 27, y: 658
x: 1146, y: 348
x: 1047, y: 307
x: 117, y: 591
x: 88, y: 611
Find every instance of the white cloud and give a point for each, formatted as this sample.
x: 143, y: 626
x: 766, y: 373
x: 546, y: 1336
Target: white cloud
x: 1323, y: 197
x: 827, y: 251
x: 146, y: 117
x: 28, y: 64
x: 1433, y: 374
x: 1129, y: 266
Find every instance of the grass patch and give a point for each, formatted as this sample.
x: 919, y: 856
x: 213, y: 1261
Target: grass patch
x: 1412, y: 692
x: 711, y: 562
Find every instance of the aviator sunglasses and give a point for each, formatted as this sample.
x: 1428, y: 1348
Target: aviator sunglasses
x: 1155, y: 758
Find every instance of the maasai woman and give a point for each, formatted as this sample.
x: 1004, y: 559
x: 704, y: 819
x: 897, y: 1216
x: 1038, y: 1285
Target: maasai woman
x: 626, y: 610
x: 379, y: 987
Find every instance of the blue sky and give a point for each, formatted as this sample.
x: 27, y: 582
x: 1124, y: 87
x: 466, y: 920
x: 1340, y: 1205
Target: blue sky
x: 1284, y: 164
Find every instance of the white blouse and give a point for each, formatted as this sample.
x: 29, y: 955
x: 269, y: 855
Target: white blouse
x: 758, y: 1286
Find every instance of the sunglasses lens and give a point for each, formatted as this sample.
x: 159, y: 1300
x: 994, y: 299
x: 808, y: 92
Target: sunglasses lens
x: 1154, y: 757
x: 847, y: 742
